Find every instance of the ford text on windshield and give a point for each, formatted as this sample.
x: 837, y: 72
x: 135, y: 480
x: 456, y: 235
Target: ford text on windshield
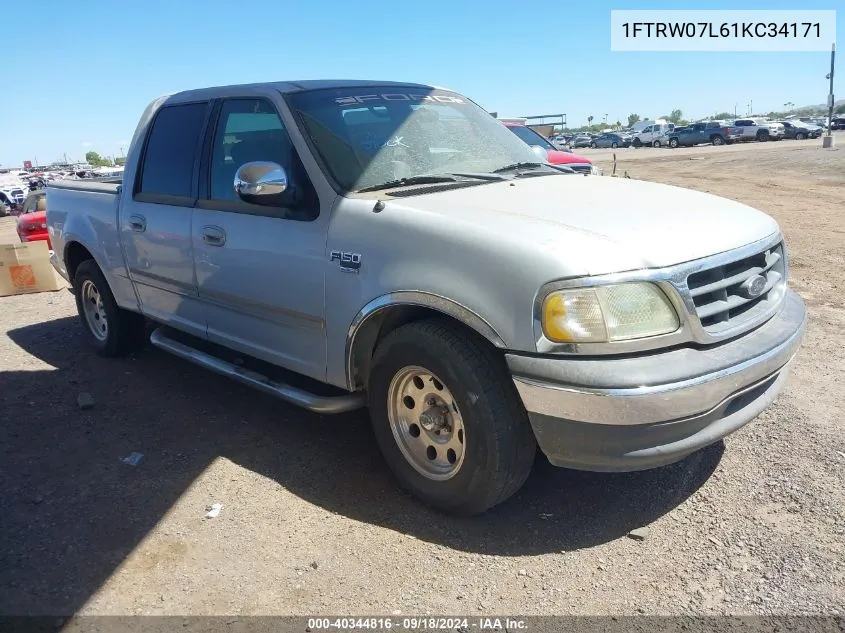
x: 369, y: 137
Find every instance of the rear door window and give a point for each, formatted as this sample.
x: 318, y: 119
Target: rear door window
x: 171, y: 152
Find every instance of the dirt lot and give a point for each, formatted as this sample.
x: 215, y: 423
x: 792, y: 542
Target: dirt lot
x: 313, y: 523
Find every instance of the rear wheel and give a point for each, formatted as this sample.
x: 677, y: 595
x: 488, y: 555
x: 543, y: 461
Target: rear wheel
x: 111, y: 330
x: 448, y: 419
x: 717, y: 140
x: 593, y: 145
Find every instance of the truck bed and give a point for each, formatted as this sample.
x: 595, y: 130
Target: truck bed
x: 94, y: 185
x: 85, y: 211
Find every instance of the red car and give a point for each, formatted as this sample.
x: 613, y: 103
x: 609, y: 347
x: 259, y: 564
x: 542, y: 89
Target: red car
x: 32, y: 222
x: 578, y: 163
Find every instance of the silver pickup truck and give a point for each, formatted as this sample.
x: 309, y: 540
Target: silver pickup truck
x: 341, y: 244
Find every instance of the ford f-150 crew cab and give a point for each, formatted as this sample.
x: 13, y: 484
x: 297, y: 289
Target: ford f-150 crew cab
x: 341, y: 244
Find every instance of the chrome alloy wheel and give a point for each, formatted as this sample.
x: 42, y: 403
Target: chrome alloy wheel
x: 95, y: 312
x: 426, y: 423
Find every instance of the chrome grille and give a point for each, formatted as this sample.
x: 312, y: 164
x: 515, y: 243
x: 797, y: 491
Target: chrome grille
x: 721, y: 296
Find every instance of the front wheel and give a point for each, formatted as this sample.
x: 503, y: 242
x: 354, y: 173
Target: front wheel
x: 111, y: 330
x: 593, y: 145
x: 448, y: 419
x: 762, y: 136
x: 800, y: 136
x: 656, y: 144
x: 637, y: 143
x: 614, y: 145
x: 673, y: 143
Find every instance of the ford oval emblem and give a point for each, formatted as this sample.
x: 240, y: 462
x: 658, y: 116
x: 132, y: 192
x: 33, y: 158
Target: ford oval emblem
x: 754, y: 286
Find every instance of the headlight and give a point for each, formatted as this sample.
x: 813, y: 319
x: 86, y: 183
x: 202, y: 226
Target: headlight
x: 615, y: 312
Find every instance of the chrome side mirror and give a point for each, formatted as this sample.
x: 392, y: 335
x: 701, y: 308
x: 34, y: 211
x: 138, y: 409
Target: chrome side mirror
x: 261, y: 182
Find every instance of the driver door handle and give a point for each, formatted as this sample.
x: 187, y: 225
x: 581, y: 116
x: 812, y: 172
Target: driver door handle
x: 138, y: 223
x: 213, y: 235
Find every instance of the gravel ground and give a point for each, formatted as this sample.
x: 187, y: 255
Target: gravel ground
x: 312, y: 522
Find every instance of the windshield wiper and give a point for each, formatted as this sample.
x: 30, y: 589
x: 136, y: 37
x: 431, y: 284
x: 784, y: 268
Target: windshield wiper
x: 410, y: 180
x: 425, y: 179
x: 518, y: 166
x: 531, y: 166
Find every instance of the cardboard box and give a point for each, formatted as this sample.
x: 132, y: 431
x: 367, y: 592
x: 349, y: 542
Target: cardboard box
x: 26, y: 268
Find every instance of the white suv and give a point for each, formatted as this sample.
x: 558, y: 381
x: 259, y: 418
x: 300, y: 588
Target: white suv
x: 654, y: 135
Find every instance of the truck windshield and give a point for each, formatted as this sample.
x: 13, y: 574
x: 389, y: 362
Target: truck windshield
x: 378, y: 134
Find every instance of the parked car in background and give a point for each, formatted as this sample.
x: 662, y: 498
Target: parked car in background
x: 759, y: 129
x: 581, y: 140
x: 561, y: 141
x: 555, y: 156
x: 654, y: 135
x: 32, y: 222
x: 799, y: 130
x: 611, y: 139
x: 713, y: 132
x: 838, y: 123
x: 13, y: 198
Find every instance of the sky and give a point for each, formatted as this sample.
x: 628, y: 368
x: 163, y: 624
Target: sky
x: 77, y: 75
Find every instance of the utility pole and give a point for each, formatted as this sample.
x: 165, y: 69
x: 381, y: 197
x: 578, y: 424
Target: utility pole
x: 830, y: 93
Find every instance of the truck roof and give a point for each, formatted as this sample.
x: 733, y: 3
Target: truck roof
x: 289, y: 87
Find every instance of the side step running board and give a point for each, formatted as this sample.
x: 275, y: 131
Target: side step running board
x: 299, y: 397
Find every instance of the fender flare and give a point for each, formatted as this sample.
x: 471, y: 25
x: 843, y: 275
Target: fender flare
x: 415, y: 298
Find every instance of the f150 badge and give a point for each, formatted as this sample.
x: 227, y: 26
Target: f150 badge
x: 349, y: 262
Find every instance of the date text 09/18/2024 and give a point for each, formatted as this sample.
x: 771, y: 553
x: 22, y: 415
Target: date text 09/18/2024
x: 420, y: 623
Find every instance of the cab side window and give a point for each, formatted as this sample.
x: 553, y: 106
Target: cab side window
x: 167, y: 173
x: 251, y: 130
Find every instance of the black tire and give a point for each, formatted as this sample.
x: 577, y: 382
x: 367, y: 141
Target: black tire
x: 717, y: 140
x: 673, y: 143
x: 126, y: 331
x: 655, y: 143
x: 593, y: 145
x: 500, y: 445
x: 762, y: 136
x: 614, y: 145
x: 637, y: 143
x: 800, y: 136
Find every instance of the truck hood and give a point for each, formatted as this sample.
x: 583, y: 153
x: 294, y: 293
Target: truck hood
x: 603, y: 224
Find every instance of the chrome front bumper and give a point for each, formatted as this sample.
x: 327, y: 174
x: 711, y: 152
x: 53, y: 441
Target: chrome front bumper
x: 644, y: 411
